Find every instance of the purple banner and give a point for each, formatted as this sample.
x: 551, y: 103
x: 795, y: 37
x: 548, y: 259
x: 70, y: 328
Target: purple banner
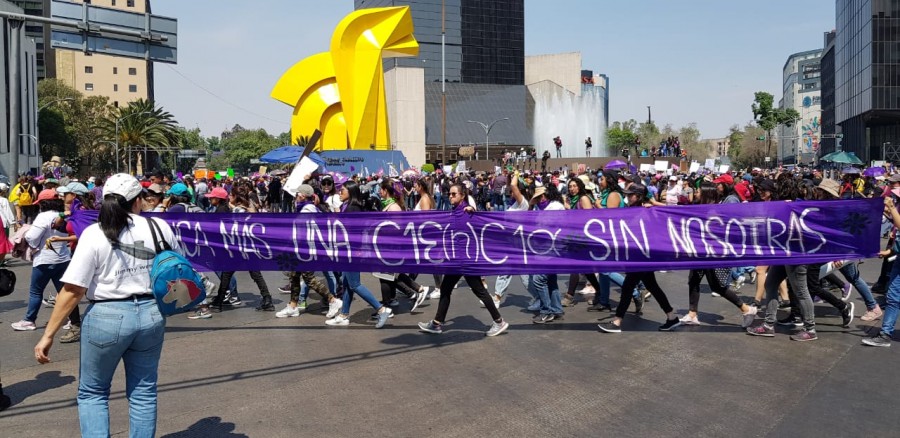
x: 621, y: 240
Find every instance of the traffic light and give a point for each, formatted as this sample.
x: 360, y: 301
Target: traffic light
x: 761, y: 138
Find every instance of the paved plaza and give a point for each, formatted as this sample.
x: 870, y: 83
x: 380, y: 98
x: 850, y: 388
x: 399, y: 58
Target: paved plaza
x: 247, y: 374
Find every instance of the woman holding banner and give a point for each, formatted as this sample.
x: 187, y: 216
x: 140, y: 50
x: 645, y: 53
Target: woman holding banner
x: 611, y: 196
x: 352, y: 202
x: 240, y: 203
x: 581, y: 197
x: 718, y: 279
x: 392, y: 194
x: 459, y: 201
x: 519, y: 194
x: 636, y: 194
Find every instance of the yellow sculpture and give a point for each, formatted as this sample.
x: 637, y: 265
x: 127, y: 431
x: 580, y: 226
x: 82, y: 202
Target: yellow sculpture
x: 341, y: 92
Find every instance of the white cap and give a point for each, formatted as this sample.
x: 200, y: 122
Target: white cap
x: 123, y: 184
x: 4, y: 187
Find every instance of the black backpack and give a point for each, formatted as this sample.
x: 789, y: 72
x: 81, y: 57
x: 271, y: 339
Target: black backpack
x: 7, y: 282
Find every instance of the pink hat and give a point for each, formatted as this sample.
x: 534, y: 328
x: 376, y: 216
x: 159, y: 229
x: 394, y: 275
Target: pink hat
x: 47, y: 194
x: 217, y: 192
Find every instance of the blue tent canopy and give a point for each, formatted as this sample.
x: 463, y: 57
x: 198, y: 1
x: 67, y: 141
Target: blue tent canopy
x: 289, y: 155
x: 354, y: 161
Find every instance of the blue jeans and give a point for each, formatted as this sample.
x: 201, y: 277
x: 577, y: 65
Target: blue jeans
x: 503, y: 281
x: 329, y: 278
x: 497, y: 202
x: 352, y: 285
x: 545, y: 288
x: 618, y: 279
x: 851, y: 273
x: 120, y: 331
x: 737, y: 272
x: 892, y: 302
x: 40, y: 276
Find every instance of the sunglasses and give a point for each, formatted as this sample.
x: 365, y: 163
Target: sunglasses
x: 454, y: 193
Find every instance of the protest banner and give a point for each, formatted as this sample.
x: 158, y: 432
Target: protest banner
x: 613, y: 240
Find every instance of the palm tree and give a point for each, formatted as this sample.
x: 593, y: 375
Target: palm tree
x: 140, y: 124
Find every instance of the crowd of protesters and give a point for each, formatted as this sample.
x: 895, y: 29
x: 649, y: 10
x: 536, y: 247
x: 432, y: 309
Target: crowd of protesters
x: 35, y: 210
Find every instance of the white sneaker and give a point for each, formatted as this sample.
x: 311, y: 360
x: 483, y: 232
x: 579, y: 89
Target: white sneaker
x: 420, y: 298
x: 435, y: 295
x: 588, y: 290
x: 23, y: 326
x: 689, y: 320
x: 334, y: 307
x: 339, y: 320
x: 211, y: 288
x: 68, y: 325
x: 288, y: 312
x: 748, y: 317
x: 494, y: 298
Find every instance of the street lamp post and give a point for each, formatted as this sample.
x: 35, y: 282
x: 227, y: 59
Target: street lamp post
x: 487, y: 134
x: 33, y: 137
x: 66, y: 99
x: 117, y: 133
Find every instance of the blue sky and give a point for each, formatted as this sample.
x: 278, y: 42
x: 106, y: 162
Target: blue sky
x: 690, y: 60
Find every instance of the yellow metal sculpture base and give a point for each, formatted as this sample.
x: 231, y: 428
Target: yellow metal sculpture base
x: 341, y: 92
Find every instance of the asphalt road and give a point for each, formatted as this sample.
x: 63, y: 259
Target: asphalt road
x: 246, y: 373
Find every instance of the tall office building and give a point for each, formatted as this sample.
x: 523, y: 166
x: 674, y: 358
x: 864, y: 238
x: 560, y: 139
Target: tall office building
x: 802, y: 92
x: 485, y: 39
x: 485, y: 72
x: 46, y: 60
x: 120, y: 79
x: 19, y: 150
x: 867, y: 75
x: 830, y: 129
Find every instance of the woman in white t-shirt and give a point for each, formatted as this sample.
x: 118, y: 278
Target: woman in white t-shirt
x: 520, y: 203
x: 50, y: 259
x: 123, y: 322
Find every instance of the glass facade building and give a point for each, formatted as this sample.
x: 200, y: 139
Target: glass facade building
x: 485, y: 39
x: 493, y: 41
x: 828, y: 142
x: 46, y: 60
x: 867, y: 75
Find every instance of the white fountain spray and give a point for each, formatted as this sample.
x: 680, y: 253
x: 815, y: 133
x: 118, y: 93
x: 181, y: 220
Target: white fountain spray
x: 558, y: 112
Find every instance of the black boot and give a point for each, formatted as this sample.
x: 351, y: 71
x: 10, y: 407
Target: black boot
x: 218, y: 303
x: 266, y: 304
x: 5, y: 402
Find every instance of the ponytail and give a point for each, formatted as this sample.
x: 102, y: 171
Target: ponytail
x: 114, y: 216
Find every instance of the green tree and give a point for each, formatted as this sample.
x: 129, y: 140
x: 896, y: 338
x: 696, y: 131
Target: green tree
x: 141, y: 124
x: 80, y: 145
x: 753, y: 146
x: 213, y: 143
x: 768, y: 117
x: 618, y: 136
x: 689, y: 138
x: 55, y: 138
x: 649, y: 134
x: 735, y: 143
x: 191, y: 139
x: 243, y: 146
